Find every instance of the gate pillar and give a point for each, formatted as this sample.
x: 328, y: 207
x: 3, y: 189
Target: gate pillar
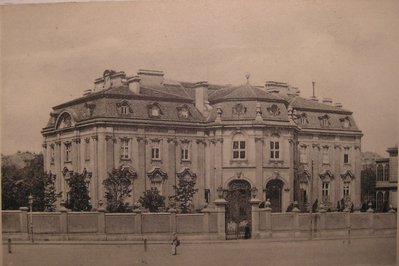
x: 255, y: 217
x: 221, y: 210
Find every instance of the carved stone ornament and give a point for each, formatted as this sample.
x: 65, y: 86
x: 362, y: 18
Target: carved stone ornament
x: 273, y: 110
x: 326, y: 176
x: 156, y: 175
x: 183, y: 112
x: 239, y: 109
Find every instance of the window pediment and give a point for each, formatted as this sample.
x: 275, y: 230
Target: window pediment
x: 65, y: 121
x: 347, y: 176
x: 156, y: 175
x: 186, y: 174
x: 345, y: 122
x: 154, y: 110
x: 326, y: 176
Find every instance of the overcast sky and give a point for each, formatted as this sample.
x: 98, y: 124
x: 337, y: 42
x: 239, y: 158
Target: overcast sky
x: 52, y: 53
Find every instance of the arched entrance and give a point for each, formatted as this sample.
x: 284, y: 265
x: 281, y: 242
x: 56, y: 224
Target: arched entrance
x: 274, y: 192
x: 238, y: 208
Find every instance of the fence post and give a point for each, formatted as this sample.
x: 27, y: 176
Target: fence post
x: 101, y: 218
x: 322, y: 225
x: 173, y: 222
x: 137, y: 221
x: 205, y: 222
x: 221, y: 209
x: 64, y: 222
x: 255, y: 217
x: 370, y: 211
x: 295, y: 212
x: 268, y: 220
x: 24, y: 220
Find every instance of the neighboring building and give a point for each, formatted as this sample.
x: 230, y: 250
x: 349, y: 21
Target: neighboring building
x: 368, y: 177
x: 234, y: 137
x: 387, y: 180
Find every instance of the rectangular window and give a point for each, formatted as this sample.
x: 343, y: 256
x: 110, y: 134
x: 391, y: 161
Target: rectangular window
x: 125, y: 149
x: 124, y: 109
x: 185, y: 153
x: 68, y: 151
x: 239, y: 150
x: 346, y: 155
x: 302, y: 154
x: 326, y: 158
x: 325, y: 191
x: 346, y: 190
x: 87, y: 151
x: 274, y: 149
x: 155, y: 152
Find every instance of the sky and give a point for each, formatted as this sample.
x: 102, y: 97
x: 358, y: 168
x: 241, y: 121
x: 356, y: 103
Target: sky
x: 51, y: 53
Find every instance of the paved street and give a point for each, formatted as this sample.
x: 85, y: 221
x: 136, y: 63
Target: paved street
x: 375, y: 251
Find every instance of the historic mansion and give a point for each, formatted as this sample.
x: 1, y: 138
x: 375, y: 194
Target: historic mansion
x: 231, y: 138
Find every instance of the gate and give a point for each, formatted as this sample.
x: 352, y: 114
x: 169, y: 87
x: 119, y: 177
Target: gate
x: 238, y: 209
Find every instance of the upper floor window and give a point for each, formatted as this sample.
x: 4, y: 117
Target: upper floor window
x: 274, y: 147
x: 183, y: 111
x: 380, y: 172
x: 345, y: 122
x: 154, y: 110
x: 239, y: 149
x: 303, y: 119
x: 185, y: 152
x: 155, y: 151
x: 125, y: 154
x: 386, y: 172
x: 302, y: 154
x: 68, y: 152
x: 346, y: 155
x: 326, y: 158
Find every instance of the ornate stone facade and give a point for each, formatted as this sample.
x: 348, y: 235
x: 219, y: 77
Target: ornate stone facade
x: 266, y: 136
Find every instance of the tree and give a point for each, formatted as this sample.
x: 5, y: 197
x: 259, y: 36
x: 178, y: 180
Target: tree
x: 50, y: 195
x: 78, y: 197
x: 152, y: 200
x: 184, y: 193
x: 118, y: 187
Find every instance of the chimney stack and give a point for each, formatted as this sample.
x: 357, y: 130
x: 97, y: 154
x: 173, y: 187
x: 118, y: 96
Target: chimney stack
x: 134, y: 84
x: 276, y: 87
x: 338, y: 105
x: 201, y: 96
x: 151, y: 78
x: 313, y: 98
x: 109, y: 79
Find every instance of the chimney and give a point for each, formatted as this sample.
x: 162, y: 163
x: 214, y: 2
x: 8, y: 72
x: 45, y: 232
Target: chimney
x: 134, y: 84
x: 201, y: 96
x: 293, y: 91
x: 313, y: 98
x: 87, y: 92
x: 109, y: 79
x: 338, y: 105
x: 327, y: 101
x: 276, y: 87
x: 151, y: 78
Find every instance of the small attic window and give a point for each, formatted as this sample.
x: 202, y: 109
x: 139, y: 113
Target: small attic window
x: 154, y: 110
x: 303, y: 120
x: 345, y: 122
x: 124, y: 108
x: 183, y: 111
x: 274, y: 110
x: 324, y: 121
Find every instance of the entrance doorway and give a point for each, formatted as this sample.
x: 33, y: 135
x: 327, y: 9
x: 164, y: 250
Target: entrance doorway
x: 238, y: 209
x: 274, y: 190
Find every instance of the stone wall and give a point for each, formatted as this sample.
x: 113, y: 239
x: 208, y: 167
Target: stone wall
x: 210, y: 224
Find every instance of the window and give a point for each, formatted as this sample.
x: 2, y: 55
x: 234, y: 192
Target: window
x: 326, y: 158
x: 52, y: 154
x: 155, y: 111
x: 346, y: 155
x: 302, y: 154
x: 386, y: 172
x: 303, y: 119
x: 124, y: 109
x: 239, y: 149
x: 274, y: 148
x: 346, y: 190
x: 324, y: 122
x: 325, y: 191
x: 125, y: 149
x: 185, y: 152
x: 87, y: 150
x: 379, y: 172
x: 68, y: 151
x: 155, y: 151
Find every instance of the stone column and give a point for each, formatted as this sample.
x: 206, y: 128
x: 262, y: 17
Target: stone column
x: 45, y: 157
x: 141, y: 171
x: 219, y: 162
x: 268, y: 218
x: 322, y: 224
x: 259, y: 148
x: 171, y: 181
x: 221, y: 219
x: 137, y: 222
x: 357, y: 172
x: 205, y: 223
x: 295, y: 214
x: 102, y: 167
x: 23, y: 220
x: 173, y: 223
x: 101, y: 218
x: 64, y: 221
x: 201, y: 171
x: 94, y: 166
x: 255, y: 217
x: 370, y: 212
x: 212, y: 169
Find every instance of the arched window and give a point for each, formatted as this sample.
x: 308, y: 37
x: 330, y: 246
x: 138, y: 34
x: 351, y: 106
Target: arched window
x: 239, y: 147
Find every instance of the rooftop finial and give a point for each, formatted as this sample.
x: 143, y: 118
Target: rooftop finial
x: 247, y: 77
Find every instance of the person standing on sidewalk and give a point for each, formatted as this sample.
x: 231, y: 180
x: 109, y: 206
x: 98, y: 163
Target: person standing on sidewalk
x: 175, y: 244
